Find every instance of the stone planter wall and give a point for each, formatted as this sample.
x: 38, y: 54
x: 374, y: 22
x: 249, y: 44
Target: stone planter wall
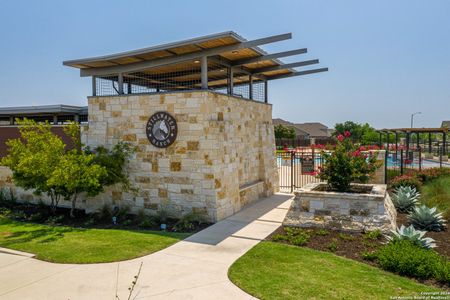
x: 342, y: 211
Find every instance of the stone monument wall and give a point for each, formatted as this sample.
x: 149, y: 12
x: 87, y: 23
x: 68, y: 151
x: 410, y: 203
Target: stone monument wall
x: 222, y: 159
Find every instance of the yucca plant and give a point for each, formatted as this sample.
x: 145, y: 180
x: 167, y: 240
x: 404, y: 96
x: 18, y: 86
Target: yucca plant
x: 413, y: 235
x: 426, y: 218
x: 405, y: 198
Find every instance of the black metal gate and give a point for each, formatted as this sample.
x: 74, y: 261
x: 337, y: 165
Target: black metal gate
x: 298, y: 168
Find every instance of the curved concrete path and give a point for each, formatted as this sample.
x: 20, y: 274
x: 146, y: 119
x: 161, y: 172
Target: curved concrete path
x: 195, y: 268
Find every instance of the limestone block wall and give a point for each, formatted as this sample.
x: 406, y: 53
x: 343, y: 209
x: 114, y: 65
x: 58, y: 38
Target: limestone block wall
x: 379, y: 175
x: 223, y: 157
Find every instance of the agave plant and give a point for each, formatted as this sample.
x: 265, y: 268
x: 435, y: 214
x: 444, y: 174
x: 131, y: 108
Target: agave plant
x: 426, y: 218
x: 413, y: 235
x: 405, y: 198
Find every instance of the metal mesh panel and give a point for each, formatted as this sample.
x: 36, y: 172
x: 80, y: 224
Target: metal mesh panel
x: 180, y: 77
x: 107, y: 86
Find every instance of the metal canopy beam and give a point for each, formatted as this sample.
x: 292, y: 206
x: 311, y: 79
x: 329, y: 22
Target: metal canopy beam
x: 180, y: 58
x: 229, y: 64
x: 300, y: 73
x: 269, y: 57
x: 286, y: 66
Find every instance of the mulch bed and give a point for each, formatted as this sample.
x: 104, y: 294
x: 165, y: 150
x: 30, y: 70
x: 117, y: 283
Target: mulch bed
x: 83, y: 220
x: 349, y: 245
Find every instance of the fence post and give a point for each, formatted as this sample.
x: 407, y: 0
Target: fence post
x: 401, y: 162
x: 292, y: 171
x: 385, y: 166
x: 440, y: 155
x: 420, y: 158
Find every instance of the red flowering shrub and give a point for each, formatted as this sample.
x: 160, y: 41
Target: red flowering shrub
x: 406, y: 180
x: 432, y: 173
x: 346, y: 164
x: 417, y: 178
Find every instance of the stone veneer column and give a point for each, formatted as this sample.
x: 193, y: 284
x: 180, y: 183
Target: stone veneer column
x: 224, y: 144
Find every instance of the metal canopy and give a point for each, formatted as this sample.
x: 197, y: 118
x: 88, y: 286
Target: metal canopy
x: 415, y: 130
x: 218, y: 61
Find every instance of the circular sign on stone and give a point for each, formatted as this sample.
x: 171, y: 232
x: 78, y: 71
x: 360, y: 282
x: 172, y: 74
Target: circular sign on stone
x: 161, y: 129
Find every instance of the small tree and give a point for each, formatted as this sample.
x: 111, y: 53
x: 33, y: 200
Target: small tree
x: 75, y: 174
x: 81, y: 170
x: 346, y: 164
x: 34, y: 157
x: 114, y: 161
x: 284, y: 132
x: 39, y: 161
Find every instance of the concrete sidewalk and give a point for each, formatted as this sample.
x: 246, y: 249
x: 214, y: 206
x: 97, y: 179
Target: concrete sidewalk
x: 195, y: 268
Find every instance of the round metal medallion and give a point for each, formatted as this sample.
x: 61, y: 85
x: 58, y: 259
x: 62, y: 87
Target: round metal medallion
x: 161, y: 129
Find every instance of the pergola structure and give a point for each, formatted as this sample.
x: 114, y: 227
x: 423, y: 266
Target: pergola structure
x: 409, y: 131
x: 223, y: 62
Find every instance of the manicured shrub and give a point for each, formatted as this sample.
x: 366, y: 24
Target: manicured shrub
x: 294, y: 236
x: 373, y: 235
x: 412, y: 235
x: 405, y: 198
x: 369, y: 255
x: 406, y: 180
x: 300, y: 240
x: 442, y: 273
x: 426, y: 218
x: 322, y: 232
x: 406, y: 258
x: 432, y: 173
x: 332, y: 246
x: 189, y: 222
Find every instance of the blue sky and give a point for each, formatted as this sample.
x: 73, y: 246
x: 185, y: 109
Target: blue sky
x: 387, y: 59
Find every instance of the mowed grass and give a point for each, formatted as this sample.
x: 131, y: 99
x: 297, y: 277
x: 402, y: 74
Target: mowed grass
x: 437, y: 193
x: 278, y: 271
x: 75, y: 245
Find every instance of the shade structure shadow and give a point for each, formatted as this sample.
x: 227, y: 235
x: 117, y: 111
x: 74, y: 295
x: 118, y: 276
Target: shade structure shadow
x: 266, y: 211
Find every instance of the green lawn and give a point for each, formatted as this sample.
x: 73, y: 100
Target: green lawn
x: 437, y: 193
x: 278, y: 271
x: 74, y: 245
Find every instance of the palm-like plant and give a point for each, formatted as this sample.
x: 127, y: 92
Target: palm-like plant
x: 405, y: 198
x: 426, y: 218
x: 413, y: 235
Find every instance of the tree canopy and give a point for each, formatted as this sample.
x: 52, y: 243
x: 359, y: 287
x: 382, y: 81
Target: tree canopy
x: 284, y: 132
x: 39, y: 161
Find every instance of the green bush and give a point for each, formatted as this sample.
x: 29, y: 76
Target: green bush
x: 369, y: 255
x: 373, y: 235
x: 406, y: 180
x: 346, y: 237
x: 442, y: 273
x: 332, y: 246
x: 300, y: 240
x: 322, y: 232
x: 189, y: 222
x: 294, y: 236
x: 406, y: 258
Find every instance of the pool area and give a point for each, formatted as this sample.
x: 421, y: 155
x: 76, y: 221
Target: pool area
x: 392, y: 162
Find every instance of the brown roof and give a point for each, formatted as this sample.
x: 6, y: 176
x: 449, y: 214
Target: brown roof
x: 312, y: 129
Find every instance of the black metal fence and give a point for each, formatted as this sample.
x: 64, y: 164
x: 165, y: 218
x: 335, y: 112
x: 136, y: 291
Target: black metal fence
x: 298, y: 168
x: 282, y: 143
x: 400, y: 161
